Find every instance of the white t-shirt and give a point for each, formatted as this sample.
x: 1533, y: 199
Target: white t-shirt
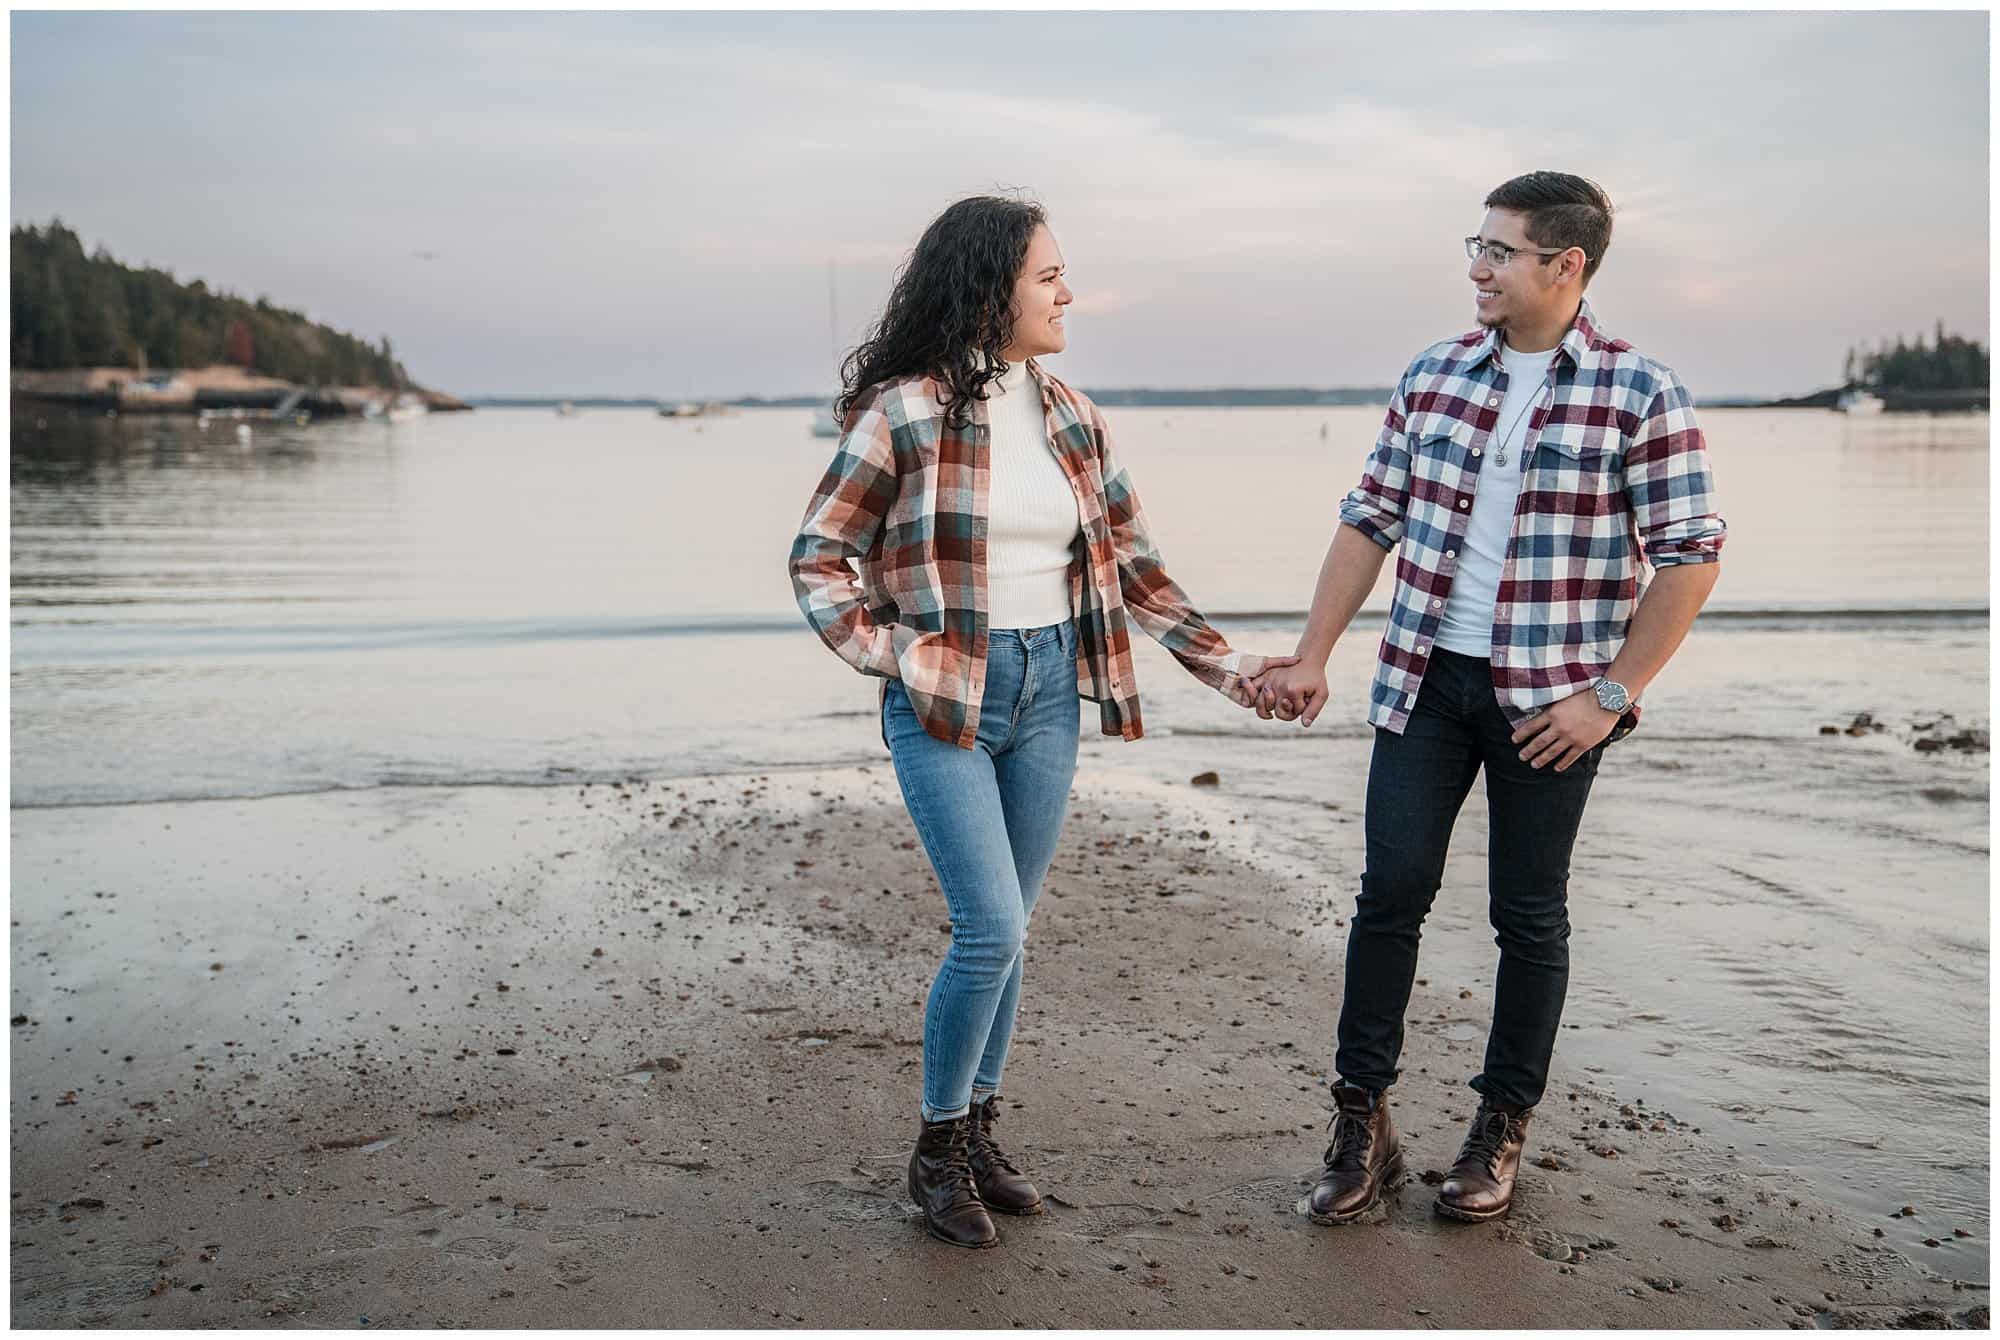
x: 1468, y: 612
x: 1033, y: 518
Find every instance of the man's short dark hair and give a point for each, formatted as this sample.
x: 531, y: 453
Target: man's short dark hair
x: 1563, y: 211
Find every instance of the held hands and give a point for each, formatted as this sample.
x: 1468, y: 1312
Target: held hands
x: 1565, y: 731
x: 1243, y: 692
x: 1289, y: 690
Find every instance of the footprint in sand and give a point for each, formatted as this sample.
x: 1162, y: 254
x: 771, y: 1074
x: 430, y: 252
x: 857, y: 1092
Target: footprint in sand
x: 1263, y: 1193
x: 87, y: 1287
x: 294, y: 1293
x: 480, y: 1249
x: 1549, y: 1245
x: 599, y: 1214
x: 423, y: 1208
x: 852, y: 1206
x: 360, y: 1237
x: 421, y: 1274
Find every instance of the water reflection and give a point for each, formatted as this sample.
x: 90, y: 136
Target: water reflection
x: 1926, y: 432
x: 54, y: 447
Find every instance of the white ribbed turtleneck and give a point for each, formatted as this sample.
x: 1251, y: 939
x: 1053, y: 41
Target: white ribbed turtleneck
x: 1033, y: 515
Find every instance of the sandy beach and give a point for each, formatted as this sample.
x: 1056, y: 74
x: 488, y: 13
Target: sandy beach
x: 646, y: 1054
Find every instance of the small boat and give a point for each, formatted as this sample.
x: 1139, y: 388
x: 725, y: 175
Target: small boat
x: 824, y: 423
x: 399, y: 409
x: 688, y: 409
x: 1858, y: 401
x: 566, y: 410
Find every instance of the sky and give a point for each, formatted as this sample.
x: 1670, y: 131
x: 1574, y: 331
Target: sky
x: 714, y: 205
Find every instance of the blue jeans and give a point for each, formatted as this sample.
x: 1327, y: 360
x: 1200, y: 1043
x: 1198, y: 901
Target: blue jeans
x: 1416, y: 783
x: 989, y: 818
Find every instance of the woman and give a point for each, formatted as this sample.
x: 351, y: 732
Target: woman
x: 976, y: 545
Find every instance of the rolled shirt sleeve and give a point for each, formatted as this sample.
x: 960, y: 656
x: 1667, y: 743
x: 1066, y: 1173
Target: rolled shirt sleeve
x: 1376, y: 506
x: 1669, y: 485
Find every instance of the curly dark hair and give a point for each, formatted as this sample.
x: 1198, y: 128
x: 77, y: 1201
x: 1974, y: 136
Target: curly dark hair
x: 951, y: 311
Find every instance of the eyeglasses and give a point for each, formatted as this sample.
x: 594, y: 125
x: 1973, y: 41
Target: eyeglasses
x: 1499, y: 253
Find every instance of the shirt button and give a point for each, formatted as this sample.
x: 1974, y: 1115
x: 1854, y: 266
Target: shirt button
x: 1464, y: 503
x: 1437, y: 604
x: 1423, y: 650
x: 1451, y: 553
x: 1493, y: 402
x: 1475, y: 451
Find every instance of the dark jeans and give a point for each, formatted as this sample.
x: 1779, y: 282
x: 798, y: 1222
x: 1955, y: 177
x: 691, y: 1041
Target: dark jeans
x: 1416, y: 783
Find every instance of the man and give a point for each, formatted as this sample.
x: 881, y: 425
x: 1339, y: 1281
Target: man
x: 1526, y: 468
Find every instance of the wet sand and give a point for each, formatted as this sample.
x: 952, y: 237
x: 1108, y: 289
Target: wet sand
x: 647, y: 1054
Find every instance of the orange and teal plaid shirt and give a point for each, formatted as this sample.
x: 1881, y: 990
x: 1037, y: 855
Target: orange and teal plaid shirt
x: 890, y: 561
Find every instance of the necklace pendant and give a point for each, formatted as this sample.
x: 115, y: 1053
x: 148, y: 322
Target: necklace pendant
x: 1500, y: 456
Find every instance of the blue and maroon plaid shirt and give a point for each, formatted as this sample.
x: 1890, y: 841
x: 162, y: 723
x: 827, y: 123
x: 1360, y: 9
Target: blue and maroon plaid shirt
x: 1616, y: 470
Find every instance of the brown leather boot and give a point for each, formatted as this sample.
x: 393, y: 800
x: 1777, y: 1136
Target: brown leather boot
x: 1481, y: 1184
x: 1363, y: 1161
x: 941, y: 1185
x: 1001, y: 1185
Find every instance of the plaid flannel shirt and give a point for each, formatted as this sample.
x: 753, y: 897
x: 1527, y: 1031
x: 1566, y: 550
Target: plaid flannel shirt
x: 890, y: 561
x: 1616, y: 470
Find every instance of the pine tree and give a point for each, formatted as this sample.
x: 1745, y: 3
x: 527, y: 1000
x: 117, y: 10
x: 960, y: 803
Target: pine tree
x: 70, y: 309
x: 58, y: 334
x: 241, y: 350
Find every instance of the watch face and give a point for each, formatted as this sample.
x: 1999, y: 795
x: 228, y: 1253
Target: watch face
x: 1612, y: 697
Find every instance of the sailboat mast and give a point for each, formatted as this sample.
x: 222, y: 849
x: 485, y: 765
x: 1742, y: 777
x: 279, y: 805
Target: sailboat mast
x: 832, y: 312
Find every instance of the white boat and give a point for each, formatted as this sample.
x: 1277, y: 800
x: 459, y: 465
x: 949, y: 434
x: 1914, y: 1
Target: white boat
x: 825, y: 422
x: 1859, y: 402
x: 688, y: 409
x: 400, y: 409
x: 566, y: 410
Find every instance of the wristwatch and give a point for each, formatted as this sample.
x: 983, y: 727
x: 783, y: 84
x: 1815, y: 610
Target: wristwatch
x: 1611, y: 696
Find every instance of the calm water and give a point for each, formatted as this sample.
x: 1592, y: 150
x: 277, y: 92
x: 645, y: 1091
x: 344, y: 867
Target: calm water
x: 512, y: 597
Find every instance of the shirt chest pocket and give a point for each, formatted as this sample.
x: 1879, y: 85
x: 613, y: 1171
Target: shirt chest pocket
x: 1439, y: 441
x: 1587, y: 458
x: 1078, y: 461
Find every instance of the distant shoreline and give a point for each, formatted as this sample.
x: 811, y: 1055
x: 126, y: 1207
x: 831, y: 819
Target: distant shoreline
x: 1281, y: 397
x: 1254, y: 397
x: 221, y: 387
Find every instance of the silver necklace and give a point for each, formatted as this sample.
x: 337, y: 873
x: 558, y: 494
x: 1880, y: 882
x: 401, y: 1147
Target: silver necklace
x: 1500, y: 456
